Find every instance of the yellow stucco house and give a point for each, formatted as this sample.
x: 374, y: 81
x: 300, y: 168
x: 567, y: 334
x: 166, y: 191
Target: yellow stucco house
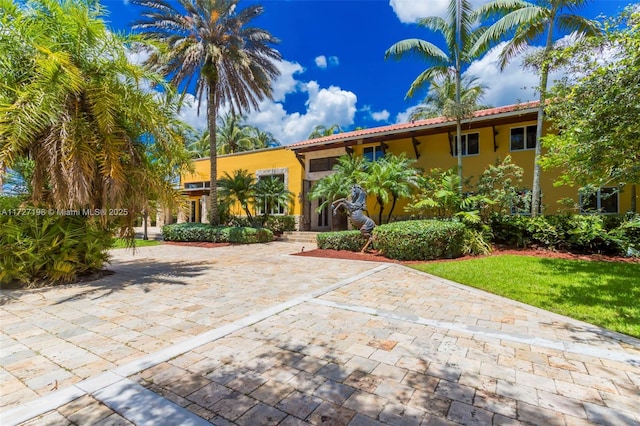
x: 490, y: 135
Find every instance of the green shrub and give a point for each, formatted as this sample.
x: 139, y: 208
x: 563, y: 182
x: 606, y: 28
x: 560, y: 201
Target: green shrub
x: 281, y: 223
x: 343, y: 240
x: 420, y: 239
x: 50, y: 249
x: 203, y: 232
x: 574, y: 233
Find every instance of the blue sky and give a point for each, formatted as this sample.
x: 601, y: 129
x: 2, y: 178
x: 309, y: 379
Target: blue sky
x: 333, y: 69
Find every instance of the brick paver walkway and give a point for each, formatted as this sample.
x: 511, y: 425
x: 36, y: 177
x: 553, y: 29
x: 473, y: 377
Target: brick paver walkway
x: 251, y: 335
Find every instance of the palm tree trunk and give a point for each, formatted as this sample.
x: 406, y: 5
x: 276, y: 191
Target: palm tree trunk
x: 381, y: 203
x: 214, y: 214
x: 544, y: 78
x: 393, y: 206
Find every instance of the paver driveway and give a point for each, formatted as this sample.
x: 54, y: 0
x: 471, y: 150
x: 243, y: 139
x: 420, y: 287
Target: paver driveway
x: 252, y: 335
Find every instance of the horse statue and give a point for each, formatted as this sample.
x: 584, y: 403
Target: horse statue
x: 355, y: 207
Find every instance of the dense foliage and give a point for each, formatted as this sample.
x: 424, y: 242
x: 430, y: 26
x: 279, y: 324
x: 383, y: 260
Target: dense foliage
x: 595, y: 109
x: 420, y: 239
x: 615, y: 235
x: 71, y: 101
x: 341, y: 240
x: 192, y: 232
x: 38, y: 249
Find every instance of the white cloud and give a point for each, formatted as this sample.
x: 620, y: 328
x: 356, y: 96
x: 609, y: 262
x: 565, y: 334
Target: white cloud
x: 509, y: 86
x: 409, y: 11
x: 326, y: 106
x: 403, y: 117
x: 381, y: 115
x: 286, y: 82
x: 321, y: 61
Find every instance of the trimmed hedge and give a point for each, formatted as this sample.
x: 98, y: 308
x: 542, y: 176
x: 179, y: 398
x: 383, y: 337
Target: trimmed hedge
x: 342, y: 240
x: 410, y: 240
x: 421, y: 239
x: 203, y: 232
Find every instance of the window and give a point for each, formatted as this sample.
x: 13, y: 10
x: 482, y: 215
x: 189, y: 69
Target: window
x: 521, y: 205
x: 470, y: 145
x: 604, y: 200
x: 275, y: 183
x: 322, y: 164
x: 197, y: 185
x: 523, y: 138
x: 373, y: 153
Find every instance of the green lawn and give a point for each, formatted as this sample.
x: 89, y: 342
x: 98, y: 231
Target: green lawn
x: 606, y: 294
x: 120, y: 243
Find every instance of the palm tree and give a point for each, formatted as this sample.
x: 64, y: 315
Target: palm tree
x: 210, y: 41
x: 440, y: 100
x: 262, y: 139
x: 271, y: 195
x: 233, y: 136
x: 321, y: 131
x: 530, y: 22
x: 378, y: 182
x: 459, y: 35
x: 238, y: 188
x: 96, y: 140
x: 404, y: 178
x: 199, y: 147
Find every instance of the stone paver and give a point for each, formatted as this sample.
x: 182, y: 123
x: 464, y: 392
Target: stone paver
x: 251, y: 335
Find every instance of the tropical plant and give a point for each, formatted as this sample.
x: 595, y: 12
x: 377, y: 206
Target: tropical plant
x: 440, y: 100
x: 378, y: 183
x: 502, y: 184
x: 238, y: 188
x: 404, y: 178
x: 320, y: 131
x: 271, y: 195
x: 460, y: 33
x: 233, y: 136
x: 595, y: 109
x: 199, y: 146
x: 211, y: 42
x: 349, y: 170
x: 75, y: 108
x: 262, y: 139
x: 529, y: 22
x: 439, y: 198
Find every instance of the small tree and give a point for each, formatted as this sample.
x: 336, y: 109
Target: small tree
x: 240, y: 188
x: 270, y: 194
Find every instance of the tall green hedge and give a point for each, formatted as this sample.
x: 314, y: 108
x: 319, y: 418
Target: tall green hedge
x: 44, y: 249
x: 198, y: 232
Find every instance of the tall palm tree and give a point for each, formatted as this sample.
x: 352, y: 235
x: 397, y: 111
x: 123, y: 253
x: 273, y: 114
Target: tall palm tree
x: 209, y: 41
x: 530, y: 22
x: 239, y: 188
x: 441, y: 98
x: 96, y: 140
x: 460, y: 34
x: 233, y: 136
x: 320, y: 131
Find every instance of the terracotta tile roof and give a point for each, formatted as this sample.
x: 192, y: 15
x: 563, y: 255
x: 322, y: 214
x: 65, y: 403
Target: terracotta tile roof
x: 399, y: 128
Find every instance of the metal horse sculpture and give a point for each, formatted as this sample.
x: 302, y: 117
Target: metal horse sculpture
x: 355, y: 207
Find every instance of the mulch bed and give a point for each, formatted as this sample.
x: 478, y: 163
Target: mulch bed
x: 374, y: 256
